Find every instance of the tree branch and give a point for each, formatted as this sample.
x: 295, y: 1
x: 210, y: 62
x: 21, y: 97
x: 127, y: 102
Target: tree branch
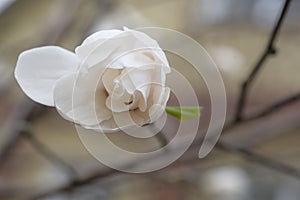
x: 275, y: 107
x: 76, y: 184
x: 269, y: 50
x: 261, y: 159
x: 250, y: 155
x: 53, y: 30
x: 48, y: 154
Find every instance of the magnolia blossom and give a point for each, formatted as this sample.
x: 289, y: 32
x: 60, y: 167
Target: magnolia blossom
x: 115, y: 78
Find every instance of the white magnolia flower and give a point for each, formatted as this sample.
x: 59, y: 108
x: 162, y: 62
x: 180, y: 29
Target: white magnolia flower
x: 115, y: 78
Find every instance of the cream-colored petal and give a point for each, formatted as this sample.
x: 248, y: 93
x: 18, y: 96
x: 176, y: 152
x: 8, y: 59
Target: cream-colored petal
x: 108, y: 79
x: 92, y: 41
x: 38, y: 69
x: 119, y: 103
x: 109, y: 52
x: 159, y: 98
x: 147, y: 41
x: 136, y: 79
x: 80, y: 99
x: 136, y: 59
x: 105, y: 52
x: 126, y: 119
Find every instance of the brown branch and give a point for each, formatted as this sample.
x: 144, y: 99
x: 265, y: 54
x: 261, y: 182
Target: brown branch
x: 48, y: 154
x: 267, y: 111
x: 275, y: 107
x: 76, y: 184
x: 261, y: 159
x: 22, y: 112
x: 269, y: 50
x: 250, y: 155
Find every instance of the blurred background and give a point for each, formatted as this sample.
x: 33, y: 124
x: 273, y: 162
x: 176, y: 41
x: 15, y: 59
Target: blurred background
x: 261, y: 159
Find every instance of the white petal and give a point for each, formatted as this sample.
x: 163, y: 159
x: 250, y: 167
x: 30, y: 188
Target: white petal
x: 155, y: 112
x: 134, y: 59
x: 38, y: 69
x: 137, y: 117
x: 92, y: 41
x: 101, y: 35
x: 118, y: 103
x: 112, y: 52
x: 136, y: 79
x: 81, y: 100
x: 108, y: 78
x: 160, y: 56
x: 160, y: 96
x: 126, y: 120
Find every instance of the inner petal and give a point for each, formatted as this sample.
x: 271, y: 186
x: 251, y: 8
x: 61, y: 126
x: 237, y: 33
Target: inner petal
x: 122, y: 103
x: 109, y: 79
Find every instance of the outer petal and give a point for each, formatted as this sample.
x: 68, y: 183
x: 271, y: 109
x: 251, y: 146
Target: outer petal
x: 160, y: 56
x: 135, y: 59
x: 125, y: 120
x: 91, y: 42
x: 38, y: 69
x: 159, y: 99
x: 121, y: 49
x: 79, y: 99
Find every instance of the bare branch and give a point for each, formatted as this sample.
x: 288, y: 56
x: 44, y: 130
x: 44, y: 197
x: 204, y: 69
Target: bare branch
x: 78, y: 183
x: 269, y: 50
x: 248, y: 154
x: 22, y: 112
x: 275, y: 107
x: 48, y: 154
x: 261, y: 159
x: 12, y: 128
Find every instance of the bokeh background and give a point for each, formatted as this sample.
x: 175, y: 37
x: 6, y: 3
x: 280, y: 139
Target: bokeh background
x: 261, y: 158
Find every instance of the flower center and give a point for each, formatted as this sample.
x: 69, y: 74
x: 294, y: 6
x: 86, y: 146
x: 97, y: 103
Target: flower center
x: 130, y: 100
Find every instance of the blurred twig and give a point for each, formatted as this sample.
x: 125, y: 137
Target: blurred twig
x: 267, y: 111
x: 275, y: 107
x: 47, y: 153
x: 269, y: 50
x: 73, y: 185
x: 261, y: 159
x: 12, y: 128
x: 23, y: 110
x: 247, y: 154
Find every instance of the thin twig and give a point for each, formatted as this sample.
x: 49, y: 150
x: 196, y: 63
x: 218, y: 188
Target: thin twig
x: 275, y: 107
x: 261, y: 159
x: 76, y: 184
x: 267, y: 111
x: 250, y: 155
x: 24, y: 108
x: 269, y: 50
x: 48, y: 154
